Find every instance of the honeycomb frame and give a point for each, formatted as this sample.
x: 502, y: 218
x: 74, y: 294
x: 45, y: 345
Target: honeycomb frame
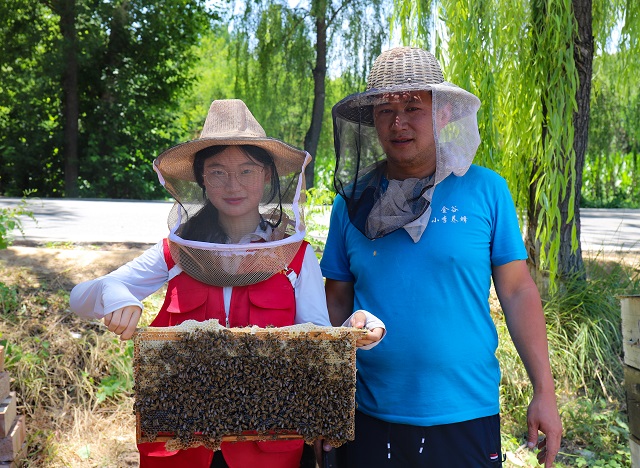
x: 200, y: 383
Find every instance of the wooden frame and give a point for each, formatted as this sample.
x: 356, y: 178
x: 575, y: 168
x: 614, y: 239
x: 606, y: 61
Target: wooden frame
x: 305, y: 377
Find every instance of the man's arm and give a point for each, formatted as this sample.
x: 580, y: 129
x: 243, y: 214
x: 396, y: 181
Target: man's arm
x: 522, y: 307
x: 339, y: 300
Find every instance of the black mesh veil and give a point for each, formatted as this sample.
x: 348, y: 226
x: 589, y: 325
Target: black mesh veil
x: 378, y: 206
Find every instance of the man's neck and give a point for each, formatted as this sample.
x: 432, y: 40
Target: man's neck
x: 401, y: 173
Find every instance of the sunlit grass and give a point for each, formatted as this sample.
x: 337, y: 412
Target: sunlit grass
x: 585, y: 345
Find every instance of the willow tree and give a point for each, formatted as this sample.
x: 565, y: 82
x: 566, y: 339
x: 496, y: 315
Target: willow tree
x: 531, y: 65
x: 283, y: 54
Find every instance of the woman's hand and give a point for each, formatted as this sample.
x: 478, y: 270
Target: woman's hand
x: 359, y: 320
x: 123, y: 321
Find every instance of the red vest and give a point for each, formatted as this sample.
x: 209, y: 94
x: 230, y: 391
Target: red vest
x: 268, y: 303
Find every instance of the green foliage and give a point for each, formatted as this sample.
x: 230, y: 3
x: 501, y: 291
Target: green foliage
x: 612, y: 171
x: 29, y: 99
x: 601, y: 429
x: 612, y: 181
x: 9, y: 221
x: 214, y: 76
x: 134, y: 59
x: 275, y: 52
x: 119, y: 382
x: 317, y: 209
x: 8, y: 298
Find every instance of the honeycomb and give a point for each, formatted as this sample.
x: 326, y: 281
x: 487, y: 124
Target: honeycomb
x: 200, y: 383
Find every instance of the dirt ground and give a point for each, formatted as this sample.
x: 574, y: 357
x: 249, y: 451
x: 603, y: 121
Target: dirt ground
x: 70, y: 264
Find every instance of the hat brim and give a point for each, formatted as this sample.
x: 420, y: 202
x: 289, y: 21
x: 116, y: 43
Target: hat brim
x: 177, y: 161
x: 358, y: 108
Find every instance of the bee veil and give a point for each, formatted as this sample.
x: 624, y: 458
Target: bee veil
x: 270, y: 172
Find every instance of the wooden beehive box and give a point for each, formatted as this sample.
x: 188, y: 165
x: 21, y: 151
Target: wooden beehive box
x: 630, y: 311
x: 201, y: 384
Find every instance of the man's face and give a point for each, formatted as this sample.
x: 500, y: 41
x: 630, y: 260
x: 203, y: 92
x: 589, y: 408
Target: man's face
x: 404, y: 124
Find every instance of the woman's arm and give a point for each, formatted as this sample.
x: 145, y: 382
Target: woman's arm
x: 311, y: 304
x: 126, y: 286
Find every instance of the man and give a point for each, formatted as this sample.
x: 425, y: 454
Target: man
x: 417, y: 233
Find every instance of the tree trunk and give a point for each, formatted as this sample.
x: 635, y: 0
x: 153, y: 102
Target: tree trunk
x: 70, y: 99
x: 319, y: 74
x: 569, y: 263
x: 532, y: 244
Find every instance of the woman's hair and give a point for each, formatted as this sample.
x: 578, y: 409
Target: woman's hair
x: 205, y: 226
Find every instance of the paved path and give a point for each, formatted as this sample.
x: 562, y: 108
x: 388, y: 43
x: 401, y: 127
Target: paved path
x: 144, y: 222
x: 610, y: 230
x: 93, y: 221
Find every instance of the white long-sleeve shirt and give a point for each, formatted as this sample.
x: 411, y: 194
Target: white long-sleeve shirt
x: 141, y: 277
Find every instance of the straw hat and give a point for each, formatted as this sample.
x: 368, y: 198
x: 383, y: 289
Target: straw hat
x: 229, y: 122
x: 403, y: 69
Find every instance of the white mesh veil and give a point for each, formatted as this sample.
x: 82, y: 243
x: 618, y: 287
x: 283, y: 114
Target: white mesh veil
x: 238, y: 217
x: 378, y: 206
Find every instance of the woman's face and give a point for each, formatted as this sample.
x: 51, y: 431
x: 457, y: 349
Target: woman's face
x: 235, y: 184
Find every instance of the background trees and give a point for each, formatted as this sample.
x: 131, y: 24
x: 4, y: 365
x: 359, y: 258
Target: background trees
x: 284, y: 56
x: 88, y: 92
x: 531, y: 64
x: 91, y: 91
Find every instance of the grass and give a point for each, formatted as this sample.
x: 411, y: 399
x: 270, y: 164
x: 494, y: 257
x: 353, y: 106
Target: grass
x: 73, y: 378
x: 585, y: 345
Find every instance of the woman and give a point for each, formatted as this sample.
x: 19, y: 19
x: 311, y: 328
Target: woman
x: 235, y: 253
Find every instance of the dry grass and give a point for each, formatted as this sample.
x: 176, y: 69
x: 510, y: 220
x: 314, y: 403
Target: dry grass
x: 72, y: 377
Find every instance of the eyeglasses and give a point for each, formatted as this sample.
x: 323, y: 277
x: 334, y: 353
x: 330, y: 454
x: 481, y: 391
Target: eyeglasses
x: 246, y: 177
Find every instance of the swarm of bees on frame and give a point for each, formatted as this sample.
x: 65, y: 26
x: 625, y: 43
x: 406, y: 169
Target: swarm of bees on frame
x: 199, y: 382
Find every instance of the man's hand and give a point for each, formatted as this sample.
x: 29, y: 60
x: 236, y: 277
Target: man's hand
x: 359, y: 320
x: 321, y: 449
x: 123, y: 321
x: 543, y: 416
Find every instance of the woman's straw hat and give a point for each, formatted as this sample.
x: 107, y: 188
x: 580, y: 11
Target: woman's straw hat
x: 398, y: 70
x: 229, y: 122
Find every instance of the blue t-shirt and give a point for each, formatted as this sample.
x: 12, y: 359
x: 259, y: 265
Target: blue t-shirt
x: 437, y: 363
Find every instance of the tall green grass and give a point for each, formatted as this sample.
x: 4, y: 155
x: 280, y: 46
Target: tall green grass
x: 585, y: 346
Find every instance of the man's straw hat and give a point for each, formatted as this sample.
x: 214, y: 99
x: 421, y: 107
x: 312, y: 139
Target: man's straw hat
x: 404, y: 69
x: 229, y: 122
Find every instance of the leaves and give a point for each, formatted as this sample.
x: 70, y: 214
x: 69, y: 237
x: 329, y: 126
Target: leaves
x: 134, y: 58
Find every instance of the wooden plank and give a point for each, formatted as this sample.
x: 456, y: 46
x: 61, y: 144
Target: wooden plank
x: 11, y: 445
x: 7, y: 414
x: 171, y: 334
x: 630, y: 311
x: 5, y: 388
x: 632, y: 388
x: 634, y: 446
x: 18, y: 461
